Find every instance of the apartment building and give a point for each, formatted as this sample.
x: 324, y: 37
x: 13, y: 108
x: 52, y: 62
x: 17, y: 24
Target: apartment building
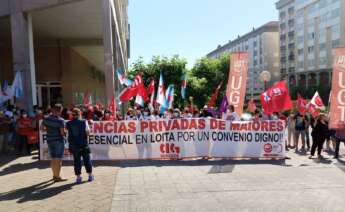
x: 263, y: 47
x: 318, y: 26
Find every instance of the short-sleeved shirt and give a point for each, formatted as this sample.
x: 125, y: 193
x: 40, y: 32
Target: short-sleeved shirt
x: 53, y: 125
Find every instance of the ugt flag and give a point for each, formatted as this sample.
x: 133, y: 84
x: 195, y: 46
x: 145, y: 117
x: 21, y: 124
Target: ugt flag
x: 317, y: 101
x: 301, y: 104
x: 276, y: 98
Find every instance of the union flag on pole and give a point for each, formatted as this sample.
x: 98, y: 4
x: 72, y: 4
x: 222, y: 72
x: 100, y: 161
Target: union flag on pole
x: 112, y: 106
x: 301, y: 104
x: 214, y: 97
x: 317, y: 101
x: 276, y: 98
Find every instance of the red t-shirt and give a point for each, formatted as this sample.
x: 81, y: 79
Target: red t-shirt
x: 24, y: 126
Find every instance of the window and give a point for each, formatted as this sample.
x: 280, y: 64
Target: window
x: 282, y: 15
x: 312, y: 8
x: 322, y: 61
x: 310, y: 49
x: 291, y: 10
x: 311, y: 36
x: 300, y: 39
x: 335, y: 43
x: 300, y: 52
x: 335, y: 13
x: 323, y: 3
x: 300, y: 65
x: 322, y: 47
x: 311, y: 63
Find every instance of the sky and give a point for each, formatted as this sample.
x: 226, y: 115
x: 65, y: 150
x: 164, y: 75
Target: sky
x: 192, y: 28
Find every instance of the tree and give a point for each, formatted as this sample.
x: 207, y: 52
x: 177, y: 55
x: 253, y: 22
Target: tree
x: 206, y: 75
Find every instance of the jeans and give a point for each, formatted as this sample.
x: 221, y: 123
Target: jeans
x: 56, y: 149
x: 77, y: 155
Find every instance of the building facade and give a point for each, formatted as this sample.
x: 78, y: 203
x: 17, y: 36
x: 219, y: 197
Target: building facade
x: 63, y: 49
x: 263, y: 47
x: 318, y: 27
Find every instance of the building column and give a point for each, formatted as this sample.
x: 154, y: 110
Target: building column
x: 307, y: 80
x: 108, y: 50
x: 22, y: 50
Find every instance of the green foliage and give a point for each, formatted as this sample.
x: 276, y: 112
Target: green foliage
x: 202, y: 79
x: 206, y: 75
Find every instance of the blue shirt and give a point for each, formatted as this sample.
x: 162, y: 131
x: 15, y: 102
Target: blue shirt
x: 53, y: 125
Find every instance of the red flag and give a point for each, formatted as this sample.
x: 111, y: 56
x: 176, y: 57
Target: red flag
x: 151, y: 88
x: 301, y: 105
x: 213, y: 99
x: 112, y: 106
x: 276, y: 98
x: 317, y: 101
x: 313, y: 110
x: 251, y: 106
x: 86, y: 98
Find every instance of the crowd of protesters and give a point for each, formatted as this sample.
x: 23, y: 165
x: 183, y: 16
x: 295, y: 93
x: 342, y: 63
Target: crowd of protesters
x: 18, y: 130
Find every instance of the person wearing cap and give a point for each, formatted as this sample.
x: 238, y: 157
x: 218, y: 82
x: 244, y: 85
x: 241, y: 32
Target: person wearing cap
x: 78, y: 131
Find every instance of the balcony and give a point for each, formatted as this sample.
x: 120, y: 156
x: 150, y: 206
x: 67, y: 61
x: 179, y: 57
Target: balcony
x: 291, y: 46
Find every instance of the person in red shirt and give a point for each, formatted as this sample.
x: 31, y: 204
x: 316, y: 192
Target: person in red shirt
x: 24, y: 127
x: 108, y: 116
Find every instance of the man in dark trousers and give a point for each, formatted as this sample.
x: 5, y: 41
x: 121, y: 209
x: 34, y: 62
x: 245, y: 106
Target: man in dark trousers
x: 78, y: 131
x: 339, y: 137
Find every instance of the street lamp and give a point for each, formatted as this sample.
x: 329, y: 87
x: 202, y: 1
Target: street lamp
x: 265, y: 77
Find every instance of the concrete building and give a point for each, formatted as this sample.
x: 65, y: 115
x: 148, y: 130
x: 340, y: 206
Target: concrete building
x: 318, y: 27
x: 263, y: 47
x: 63, y: 48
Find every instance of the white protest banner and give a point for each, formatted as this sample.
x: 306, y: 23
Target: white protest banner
x: 182, y: 138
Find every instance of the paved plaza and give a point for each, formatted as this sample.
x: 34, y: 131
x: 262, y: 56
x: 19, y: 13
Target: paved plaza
x: 299, y: 184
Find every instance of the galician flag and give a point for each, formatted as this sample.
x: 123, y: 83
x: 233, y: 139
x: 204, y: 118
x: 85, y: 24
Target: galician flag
x: 17, y: 86
x: 161, y: 92
x: 122, y: 78
x: 169, y: 96
x: 184, y: 86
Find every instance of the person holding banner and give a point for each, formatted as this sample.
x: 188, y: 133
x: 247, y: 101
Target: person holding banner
x: 78, y: 131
